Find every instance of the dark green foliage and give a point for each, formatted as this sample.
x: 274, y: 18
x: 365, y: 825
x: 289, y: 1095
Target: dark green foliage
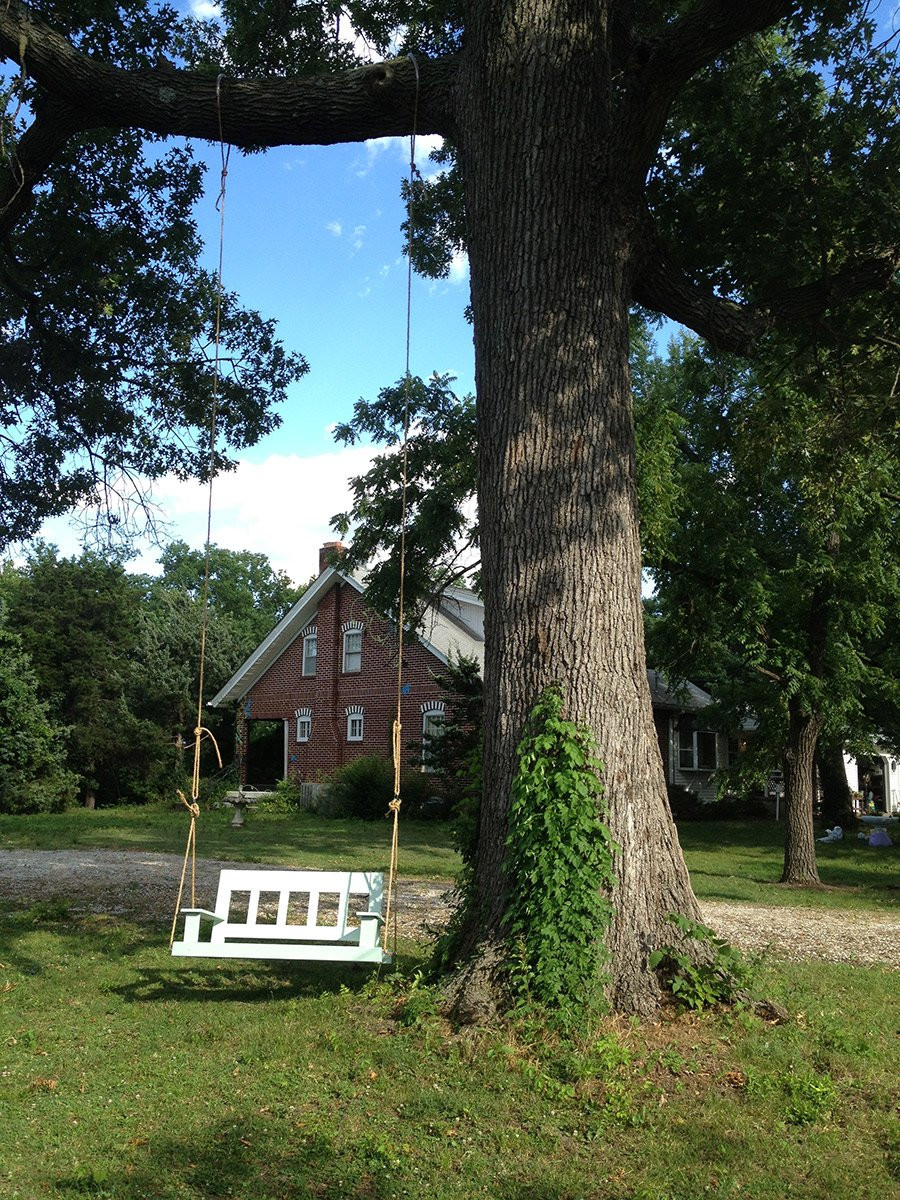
x: 687, y: 806
x: 106, y: 365
x: 33, y: 776
x: 455, y: 754
x: 243, y: 586
x: 719, y: 974
x: 79, y: 621
x: 779, y: 582
x: 798, y: 111
x: 364, y: 788
x: 441, y: 535
x: 276, y: 38
x: 116, y: 657
x: 559, y: 867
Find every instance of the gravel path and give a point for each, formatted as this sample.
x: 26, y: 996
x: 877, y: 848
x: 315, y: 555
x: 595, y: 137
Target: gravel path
x: 143, y: 887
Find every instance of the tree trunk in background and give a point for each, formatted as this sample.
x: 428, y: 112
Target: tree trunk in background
x: 800, y: 868
x: 836, y: 806
x: 551, y: 255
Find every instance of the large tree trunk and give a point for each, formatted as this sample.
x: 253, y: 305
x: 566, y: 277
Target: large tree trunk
x: 800, y: 868
x: 551, y: 265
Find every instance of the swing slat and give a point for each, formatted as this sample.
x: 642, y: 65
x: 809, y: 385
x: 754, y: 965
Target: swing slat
x: 267, y: 932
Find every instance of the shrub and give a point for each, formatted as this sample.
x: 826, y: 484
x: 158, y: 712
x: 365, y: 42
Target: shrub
x: 364, y: 788
x: 684, y: 803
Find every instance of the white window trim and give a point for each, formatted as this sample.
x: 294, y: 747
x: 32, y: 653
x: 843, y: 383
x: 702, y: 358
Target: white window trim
x: 695, y: 750
x: 311, y: 635
x: 352, y: 629
x: 304, y: 724
x: 355, y: 723
x: 431, y: 709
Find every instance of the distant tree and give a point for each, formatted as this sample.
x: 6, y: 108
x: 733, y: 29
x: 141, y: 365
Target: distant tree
x: 243, y: 587
x: 78, y: 620
x: 783, y: 569
x: 33, y: 774
x: 165, y: 686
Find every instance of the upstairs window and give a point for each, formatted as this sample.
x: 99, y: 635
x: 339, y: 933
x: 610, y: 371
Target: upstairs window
x: 354, y: 723
x: 353, y: 632
x: 304, y: 724
x: 310, y: 652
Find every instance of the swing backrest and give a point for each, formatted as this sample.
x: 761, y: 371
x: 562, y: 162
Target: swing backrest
x: 294, y: 905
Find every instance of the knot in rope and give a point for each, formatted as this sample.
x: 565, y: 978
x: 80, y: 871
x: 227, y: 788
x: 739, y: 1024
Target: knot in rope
x: 190, y: 854
x: 191, y: 805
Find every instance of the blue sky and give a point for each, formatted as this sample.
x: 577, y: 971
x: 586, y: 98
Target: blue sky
x: 313, y: 238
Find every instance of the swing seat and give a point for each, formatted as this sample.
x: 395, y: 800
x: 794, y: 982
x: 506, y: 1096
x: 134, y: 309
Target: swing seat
x: 291, y: 915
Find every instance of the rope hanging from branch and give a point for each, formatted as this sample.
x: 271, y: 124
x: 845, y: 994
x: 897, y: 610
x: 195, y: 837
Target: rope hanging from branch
x: 397, y: 742
x: 200, y: 732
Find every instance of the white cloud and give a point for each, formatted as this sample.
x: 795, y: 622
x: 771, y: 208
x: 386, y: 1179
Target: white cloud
x: 398, y: 149
x: 459, y: 267
x: 359, y: 235
x: 280, y: 507
x: 205, y: 10
x: 334, y: 227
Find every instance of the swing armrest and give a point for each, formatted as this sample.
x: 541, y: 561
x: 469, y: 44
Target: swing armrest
x: 192, y: 919
x: 369, y: 928
x: 202, y: 912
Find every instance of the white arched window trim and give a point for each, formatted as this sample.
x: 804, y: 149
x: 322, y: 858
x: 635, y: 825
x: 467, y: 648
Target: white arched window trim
x: 310, y: 650
x: 433, y: 716
x: 304, y: 724
x: 352, y: 657
x: 355, y: 722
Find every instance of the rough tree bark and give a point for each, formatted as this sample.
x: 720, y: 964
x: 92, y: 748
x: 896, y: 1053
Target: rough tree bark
x: 800, y: 868
x: 558, y: 109
x: 551, y: 284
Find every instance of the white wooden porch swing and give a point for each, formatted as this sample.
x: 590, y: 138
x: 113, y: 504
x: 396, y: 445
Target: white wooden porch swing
x: 291, y: 914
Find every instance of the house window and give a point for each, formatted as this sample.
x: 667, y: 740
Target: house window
x: 304, y: 724
x: 310, y: 652
x: 696, y: 750
x: 432, y: 727
x: 353, y: 632
x: 355, y: 723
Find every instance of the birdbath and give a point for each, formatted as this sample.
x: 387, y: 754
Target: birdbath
x: 239, y: 801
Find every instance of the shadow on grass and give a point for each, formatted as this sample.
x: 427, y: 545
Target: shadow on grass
x: 238, y: 1157
x: 248, y: 981
x: 257, y: 1158
x: 84, y: 933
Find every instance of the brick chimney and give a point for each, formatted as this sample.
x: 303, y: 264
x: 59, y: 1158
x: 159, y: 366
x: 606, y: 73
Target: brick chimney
x: 329, y: 552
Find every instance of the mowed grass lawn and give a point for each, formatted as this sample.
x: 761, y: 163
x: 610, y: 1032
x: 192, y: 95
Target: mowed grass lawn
x: 128, y: 1075
x: 733, y: 860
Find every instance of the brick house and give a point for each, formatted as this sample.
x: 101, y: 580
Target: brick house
x: 328, y: 673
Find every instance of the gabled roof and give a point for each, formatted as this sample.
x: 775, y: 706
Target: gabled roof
x: 686, y: 697
x: 452, y: 627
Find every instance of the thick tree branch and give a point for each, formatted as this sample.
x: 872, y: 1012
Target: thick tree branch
x: 662, y: 286
x: 370, y: 101
x: 680, y: 49
x: 29, y: 159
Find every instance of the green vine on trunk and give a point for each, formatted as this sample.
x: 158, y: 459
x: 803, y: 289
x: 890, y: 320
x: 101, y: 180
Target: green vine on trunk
x: 559, y: 864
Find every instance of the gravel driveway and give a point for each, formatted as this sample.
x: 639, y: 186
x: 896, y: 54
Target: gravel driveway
x: 143, y: 887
